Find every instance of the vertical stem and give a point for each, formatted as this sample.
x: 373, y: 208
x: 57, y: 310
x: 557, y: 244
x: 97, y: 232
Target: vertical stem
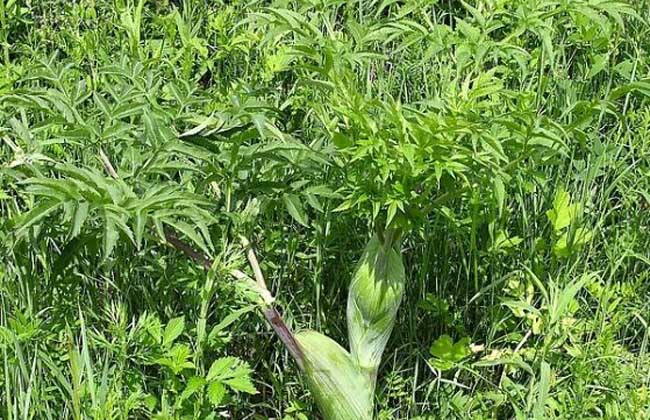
x: 5, y: 33
x: 285, y: 335
x: 271, y: 314
x: 252, y: 260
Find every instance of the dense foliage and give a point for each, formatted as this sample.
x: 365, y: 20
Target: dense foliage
x: 505, y: 142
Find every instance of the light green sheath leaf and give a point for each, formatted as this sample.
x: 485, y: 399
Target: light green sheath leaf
x: 374, y: 297
x: 340, y: 389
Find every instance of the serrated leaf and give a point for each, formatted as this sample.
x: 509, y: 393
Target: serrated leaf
x: 189, y: 231
x: 442, y: 346
x: 173, y: 329
x: 109, y: 238
x: 295, y: 208
x: 220, y: 368
x: 242, y: 383
x: 499, y: 193
x: 121, y: 224
x: 80, y: 215
x: 232, y: 372
x: 323, y: 191
x: 229, y: 319
x: 194, y: 384
x: 26, y: 220
x: 216, y: 392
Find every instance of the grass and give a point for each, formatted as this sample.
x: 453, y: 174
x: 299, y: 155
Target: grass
x: 507, y: 140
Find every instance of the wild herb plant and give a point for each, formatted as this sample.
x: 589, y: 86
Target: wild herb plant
x: 490, y: 157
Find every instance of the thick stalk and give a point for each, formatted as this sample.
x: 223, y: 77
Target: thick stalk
x: 374, y: 297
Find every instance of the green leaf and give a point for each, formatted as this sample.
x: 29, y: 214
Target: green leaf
x: 189, y: 231
x: 341, y: 141
x: 563, y: 212
x: 80, y: 215
x: 220, y: 368
x: 232, y: 372
x: 392, y: 211
x: 173, y: 329
x: 312, y: 200
x: 562, y: 305
x: 229, y: 319
x: 323, y: 191
x: 194, y: 384
x: 119, y: 221
x: 295, y: 208
x: 499, y: 193
x: 447, y: 352
x: 442, y: 347
x: 177, y: 358
x: 242, y: 383
x: 599, y: 64
x: 564, y: 247
x: 25, y: 221
x: 542, y: 391
x: 109, y: 239
x: 216, y: 392
x: 503, y: 242
x: 140, y: 221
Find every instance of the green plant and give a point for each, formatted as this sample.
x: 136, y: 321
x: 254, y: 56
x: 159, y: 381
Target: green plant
x: 469, y: 179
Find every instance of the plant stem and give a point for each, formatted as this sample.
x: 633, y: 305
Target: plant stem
x: 271, y: 314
